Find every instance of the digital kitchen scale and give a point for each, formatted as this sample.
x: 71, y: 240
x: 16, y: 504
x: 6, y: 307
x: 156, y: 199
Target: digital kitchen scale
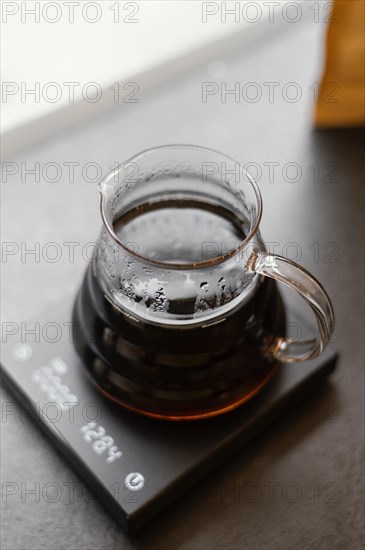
x: 135, y: 465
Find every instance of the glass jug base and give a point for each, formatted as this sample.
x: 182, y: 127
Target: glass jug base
x: 194, y: 414
x: 176, y: 374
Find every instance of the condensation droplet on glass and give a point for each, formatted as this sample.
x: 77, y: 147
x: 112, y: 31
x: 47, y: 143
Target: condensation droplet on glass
x: 200, y: 305
x: 160, y: 300
x: 221, y: 284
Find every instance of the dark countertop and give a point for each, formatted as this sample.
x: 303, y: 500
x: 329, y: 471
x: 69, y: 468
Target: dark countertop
x: 298, y: 485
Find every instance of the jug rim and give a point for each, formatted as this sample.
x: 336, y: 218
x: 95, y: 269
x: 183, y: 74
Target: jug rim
x: 186, y: 265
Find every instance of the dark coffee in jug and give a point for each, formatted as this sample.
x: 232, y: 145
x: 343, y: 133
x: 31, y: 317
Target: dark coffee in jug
x: 189, y: 371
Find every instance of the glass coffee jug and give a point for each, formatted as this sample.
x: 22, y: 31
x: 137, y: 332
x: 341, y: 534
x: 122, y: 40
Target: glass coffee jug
x: 179, y: 316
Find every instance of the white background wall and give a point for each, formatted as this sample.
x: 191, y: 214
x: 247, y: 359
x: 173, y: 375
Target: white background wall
x: 109, y: 41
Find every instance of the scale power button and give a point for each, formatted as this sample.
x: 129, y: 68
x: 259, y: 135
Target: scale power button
x: 134, y: 481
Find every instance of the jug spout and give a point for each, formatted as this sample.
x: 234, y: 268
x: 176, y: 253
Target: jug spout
x: 107, y: 185
x: 107, y: 190
x: 113, y: 189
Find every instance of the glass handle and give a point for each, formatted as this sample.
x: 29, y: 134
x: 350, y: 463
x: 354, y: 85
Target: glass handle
x: 299, y: 279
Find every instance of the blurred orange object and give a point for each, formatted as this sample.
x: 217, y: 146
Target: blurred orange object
x: 341, y: 94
